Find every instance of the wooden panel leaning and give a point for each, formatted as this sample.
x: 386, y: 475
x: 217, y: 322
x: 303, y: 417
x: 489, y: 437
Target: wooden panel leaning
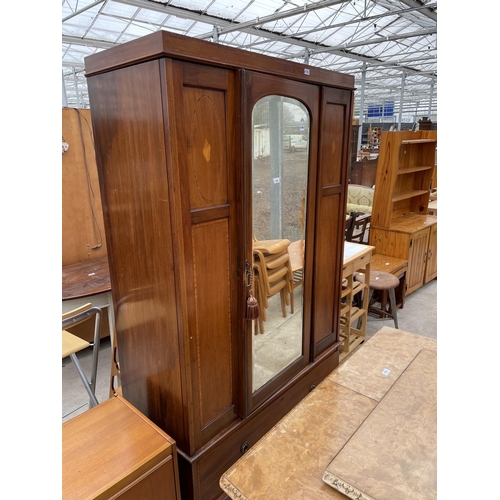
x: 83, y: 234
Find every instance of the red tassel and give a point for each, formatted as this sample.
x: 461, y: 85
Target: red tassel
x: 252, y: 307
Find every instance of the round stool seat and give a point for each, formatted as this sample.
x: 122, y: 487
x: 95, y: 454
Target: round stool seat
x: 379, y: 280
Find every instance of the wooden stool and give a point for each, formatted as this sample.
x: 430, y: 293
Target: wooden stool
x: 382, y: 281
x: 396, y: 266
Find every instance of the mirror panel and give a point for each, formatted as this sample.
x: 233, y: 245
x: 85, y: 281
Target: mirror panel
x: 279, y: 185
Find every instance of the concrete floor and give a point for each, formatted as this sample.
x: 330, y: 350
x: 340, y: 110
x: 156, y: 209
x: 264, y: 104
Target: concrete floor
x: 419, y: 316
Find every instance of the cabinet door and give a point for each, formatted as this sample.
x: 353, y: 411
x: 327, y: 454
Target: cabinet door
x: 331, y: 191
x: 280, y: 137
x: 419, y: 244
x: 431, y: 265
x: 206, y: 169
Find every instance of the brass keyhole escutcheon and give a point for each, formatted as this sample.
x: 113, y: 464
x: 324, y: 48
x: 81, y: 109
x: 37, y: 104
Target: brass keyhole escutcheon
x: 244, y: 448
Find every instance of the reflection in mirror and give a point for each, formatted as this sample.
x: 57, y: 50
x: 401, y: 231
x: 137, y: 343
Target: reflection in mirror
x: 279, y: 177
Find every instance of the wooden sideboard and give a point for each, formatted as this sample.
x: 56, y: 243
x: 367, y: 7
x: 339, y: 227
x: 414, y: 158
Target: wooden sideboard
x: 113, y: 451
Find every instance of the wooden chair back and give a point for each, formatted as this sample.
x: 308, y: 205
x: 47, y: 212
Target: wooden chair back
x: 349, y: 226
x: 360, y: 227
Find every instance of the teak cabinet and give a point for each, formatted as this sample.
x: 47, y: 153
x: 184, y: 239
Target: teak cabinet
x: 172, y: 120
x: 400, y: 226
x: 112, y: 452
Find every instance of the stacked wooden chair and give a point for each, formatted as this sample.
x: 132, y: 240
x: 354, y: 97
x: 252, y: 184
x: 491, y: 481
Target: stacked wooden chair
x: 272, y: 275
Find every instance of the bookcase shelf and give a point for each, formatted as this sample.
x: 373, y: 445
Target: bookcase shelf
x: 418, y: 141
x: 411, y: 170
x: 409, y: 194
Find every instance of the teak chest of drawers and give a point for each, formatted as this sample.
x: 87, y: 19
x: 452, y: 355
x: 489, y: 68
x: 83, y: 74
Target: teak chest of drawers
x: 113, y: 451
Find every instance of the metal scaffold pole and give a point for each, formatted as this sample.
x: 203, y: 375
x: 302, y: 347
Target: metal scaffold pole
x: 361, y: 105
x: 403, y: 80
x: 64, y: 95
x: 430, y: 99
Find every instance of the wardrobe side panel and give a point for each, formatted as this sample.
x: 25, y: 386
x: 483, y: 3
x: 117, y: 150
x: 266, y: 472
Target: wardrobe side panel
x: 126, y: 108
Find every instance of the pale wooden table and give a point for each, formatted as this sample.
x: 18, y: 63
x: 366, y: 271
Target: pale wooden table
x: 357, y: 258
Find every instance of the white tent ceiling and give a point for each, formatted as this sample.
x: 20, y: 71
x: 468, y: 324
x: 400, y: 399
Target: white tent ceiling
x: 390, y: 45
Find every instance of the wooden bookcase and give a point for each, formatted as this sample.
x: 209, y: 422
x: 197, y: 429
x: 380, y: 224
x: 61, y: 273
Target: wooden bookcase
x: 400, y: 225
x: 404, y: 175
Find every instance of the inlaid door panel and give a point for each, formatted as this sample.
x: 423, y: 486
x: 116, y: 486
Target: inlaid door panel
x: 206, y: 147
x: 207, y: 171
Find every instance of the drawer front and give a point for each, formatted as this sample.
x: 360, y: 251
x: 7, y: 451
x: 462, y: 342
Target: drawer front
x: 157, y: 483
x: 347, y: 270
x: 361, y: 262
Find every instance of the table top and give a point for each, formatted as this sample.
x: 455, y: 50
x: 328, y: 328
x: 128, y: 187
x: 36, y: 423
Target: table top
x: 354, y: 250
x: 381, y: 262
x: 351, y: 251
x: 85, y: 278
x: 292, y: 458
x: 393, y: 454
x: 410, y: 223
